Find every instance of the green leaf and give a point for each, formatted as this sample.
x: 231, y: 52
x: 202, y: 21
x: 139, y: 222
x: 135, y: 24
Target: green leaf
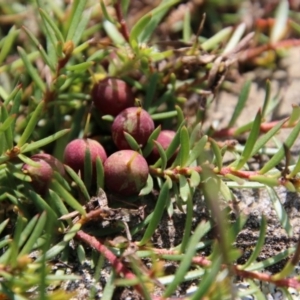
x: 3, y: 225
x: 81, y: 255
x: 235, y: 38
x: 31, y: 124
x: 269, y: 181
x: 262, y: 141
x: 42, y: 204
x: 184, y: 188
x: 8, y: 142
x: 81, y: 26
x: 195, y: 179
x: 67, y: 197
x: 295, y: 170
x: 100, y: 173
x: 72, y: 232
x: 132, y: 142
x: 196, y: 134
x: 150, y: 90
x: 8, y: 42
x: 14, y: 246
x: 105, y: 12
x: 43, y: 53
x: 162, y: 162
x: 36, y: 233
x: 217, y: 152
x: 52, y: 252
x: 7, y: 123
x: 15, y: 96
x: 197, y: 150
x: 113, y: 33
x: 79, y: 183
x: 28, y: 161
x: 147, y: 189
x: 281, y: 18
x: 280, y: 211
x: 50, y: 24
x: 88, y: 168
x: 219, y: 37
x: 75, y: 18
x: 137, y: 29
x: 295, y: 115
x: 16, y: 172
x: 157, y: 214
x: 271, y: 260
x: 80, y: 67
x: 31, y: 70
x: 186, y: 261
x: 157, y: 15
x: 109, y: 288
x: 241, y: 103
x: 55, y: 201
x: 18, y: 63
x: 27, y: 230
x: 208, y: 279
x: 280, y: 154
x: 187, y: 31
x: 267, y: 99
x: 180, y: 115
x: 43, y: 142
x: 184, y: 147
x: 259, y: 244
x: 149, y: 145
x: 175, y: 143
x: 188, y: 223
x: 250, y: 141
x: 164, y: 115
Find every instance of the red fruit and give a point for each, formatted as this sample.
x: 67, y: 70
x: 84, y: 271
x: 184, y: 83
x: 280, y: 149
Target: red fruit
x: 135, y: 121
x: 52, y: 161
x: 41, y: 176
x: 125, y: 172
x: 111, y: 96
x: 75, y: 153
x: 164, y: 138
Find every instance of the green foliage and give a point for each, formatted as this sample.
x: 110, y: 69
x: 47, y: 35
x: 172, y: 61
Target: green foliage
x: 47, y: 69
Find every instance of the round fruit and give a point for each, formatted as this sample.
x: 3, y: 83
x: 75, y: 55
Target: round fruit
x: 52, y: 161
x: 135, y: 121
x: 74, y: 154
x: 111, y: 96
x: 125, y: 172
x: 41, y: 176
x: 164, y: 138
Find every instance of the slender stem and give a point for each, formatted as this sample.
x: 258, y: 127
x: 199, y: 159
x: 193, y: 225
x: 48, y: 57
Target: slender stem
x: 124, y: 29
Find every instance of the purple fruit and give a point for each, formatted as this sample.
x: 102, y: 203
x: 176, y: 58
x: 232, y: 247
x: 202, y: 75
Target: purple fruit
x: 164, y: 138
x: 125, y: 172
x: 41, y: 176
x: 135, y: 121
x: 74, y: 154
x: 111, y: 96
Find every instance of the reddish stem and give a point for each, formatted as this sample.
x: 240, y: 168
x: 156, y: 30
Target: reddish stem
x: 124, y: 29
x: 204, y: 262
x: 264, y: 127
x: 254, y: 52
x: 118, y: 266
x: 286, y: 282
x: 241, y: 174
